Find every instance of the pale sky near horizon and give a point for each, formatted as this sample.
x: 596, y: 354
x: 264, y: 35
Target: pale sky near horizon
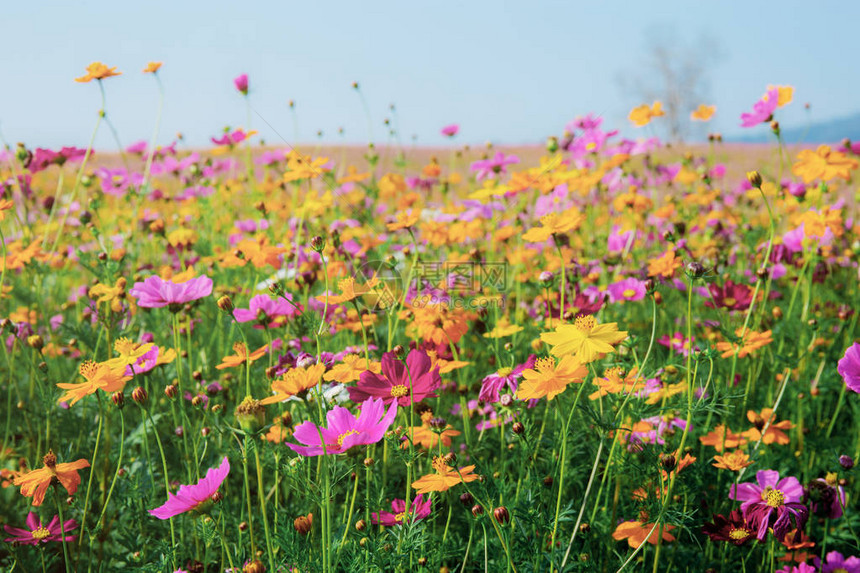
x: 506, y: 72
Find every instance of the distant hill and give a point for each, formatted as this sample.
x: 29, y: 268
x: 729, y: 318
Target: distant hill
x: 830, y: 131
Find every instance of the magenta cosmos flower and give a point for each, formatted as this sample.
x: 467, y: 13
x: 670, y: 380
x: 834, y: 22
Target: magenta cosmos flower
x: 397, y: 379
x: 420, y: 509
x: 267, y: 312
x: 344, y: 429
x: 835, y: 562
x: 492, y: 384
x: 155, y: 292
x: 451, y: 130
x: 36, y: 532
x: 241, y: 83
x: 773, y: 502
x: 762, y: 110
x: 234, y: 137
x: 849, y: 367
x: 192, y: 497
x: 627, y: 289
x: 496, y: 165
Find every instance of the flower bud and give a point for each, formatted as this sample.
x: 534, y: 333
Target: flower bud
x: 318, y: 243
x: 477, y: 510
x: 754, y: 177
x: 518, y: 428
x: 250, y: 414
x: 36, y: 342
x: 450, y: 458
x: 217, y: 496
x: 552, y: 144
x: 225, y: 303
x: 467, y: 499
x: 255, y: 566
x: 304, y: 523
x: 501, y: 514
x: 360, y: 525
x: 118, y: 398
x: 695, y: 270
x: 139, y: 396
x: 546, y: 279
x: 846, y: 462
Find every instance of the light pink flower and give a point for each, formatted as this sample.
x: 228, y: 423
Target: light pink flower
x: 344, y: 429
x: 155, y: 292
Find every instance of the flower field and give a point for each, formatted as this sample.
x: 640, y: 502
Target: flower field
x: 604, y: 354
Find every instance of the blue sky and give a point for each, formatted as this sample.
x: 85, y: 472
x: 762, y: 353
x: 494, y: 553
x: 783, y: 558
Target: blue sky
x: 508, y: 72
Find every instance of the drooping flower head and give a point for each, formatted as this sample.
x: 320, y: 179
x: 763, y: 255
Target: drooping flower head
x: 193, y: 497
x: 241, y: 83
x: 36, y: 532
x: 345, y: 430
x: 407, y: 383
x: 419, y: 510
x: 762, y: 110
x: 155, y: 292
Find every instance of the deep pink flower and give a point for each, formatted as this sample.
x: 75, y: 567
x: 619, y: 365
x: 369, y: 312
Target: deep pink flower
x: 631, y: 289
x: 420, y: 509
x: 146, y: 362
x: 849, y: 367
x: 36, y: 532
x: 155, y: 292
x: 193, y: 497
x: 344, y: 429
x: 731, y: 296
x: 801, y: 568
x: 773, y: 502
x: 494, y: 166
x: 677, y: 342
x: 241, y: 83
x: 762, y: 110
x: 267, y: 311
x: 837, y: 563
x: 493, y: 383
x: 451, y: 130
x: 397, y: 379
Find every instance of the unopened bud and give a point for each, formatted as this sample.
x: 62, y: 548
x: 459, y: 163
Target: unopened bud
x: 118, y: 398
x: 754, y: 177
x: 225, y: 303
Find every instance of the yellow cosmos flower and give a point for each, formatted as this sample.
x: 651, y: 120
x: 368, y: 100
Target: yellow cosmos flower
x: 584, y: 339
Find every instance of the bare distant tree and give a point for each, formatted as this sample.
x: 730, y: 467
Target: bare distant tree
x: 676, y: 73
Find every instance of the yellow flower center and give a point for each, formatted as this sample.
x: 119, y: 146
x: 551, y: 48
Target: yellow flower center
x: 426, y: 417
x: 628, y: 293
x: 439, y: 465
x: 399, y: 390
x: 545, y: 365
x: 585, y: 323
x: 773, y: 497
x: 402, y: 516
x: 503, y: 372
x: 40, y: 533
x: 739, y: 533
x: 730, y: 301
x: 830, y: 478
x: 343, y: 436
x: 614, y: 372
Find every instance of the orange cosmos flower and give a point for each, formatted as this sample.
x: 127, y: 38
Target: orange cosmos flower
x: 5, y: 206
x: 785, y: 94
x: 733, y: 461
x: 585, y: 339
x: 643, y: 114
x: 722, y: 437
x: 751, y: 342
x: 444, y: 366
x: 114, y: 295
x: 427, y: 436
x: 152, y: 67
x: 703, y: 112
x: 294, y: 382
x: 351, y: 368
x: 349, y: 291
x: 444, y: 478
x: 548, y: 379
x: 554, y: 223
x: 97, y: 71
x: 665, y: 265
x: 637, y: 532
x: 823, y: 164
x: 774, y: 431
x: 405, y: 219
x: 241, y: 356
x: 615, y: 382
x: 106, y: 376
x: 35, y: 483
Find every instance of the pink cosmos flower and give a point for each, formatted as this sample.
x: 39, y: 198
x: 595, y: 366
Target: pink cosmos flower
x: 494, y: 166
x: 773, y: 502
x: 397, y: 379
x: 631, y: 289
x: 420, y: 509
x: 451, y: 130
x: 116, y: 182
x: 266, y: 311
x: 493, y: 383
x: 146, y: 362
x: 849, y: 367
x: 677, y: 342
x: 36, y: 532
x: 233, y: 138
x: 241, y: 83
x: 155, y: 292
x: 192, y: 497
x: 344, y: 429
x: 762, y: 110
x: 837, y: 563
x: 800, y: 568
